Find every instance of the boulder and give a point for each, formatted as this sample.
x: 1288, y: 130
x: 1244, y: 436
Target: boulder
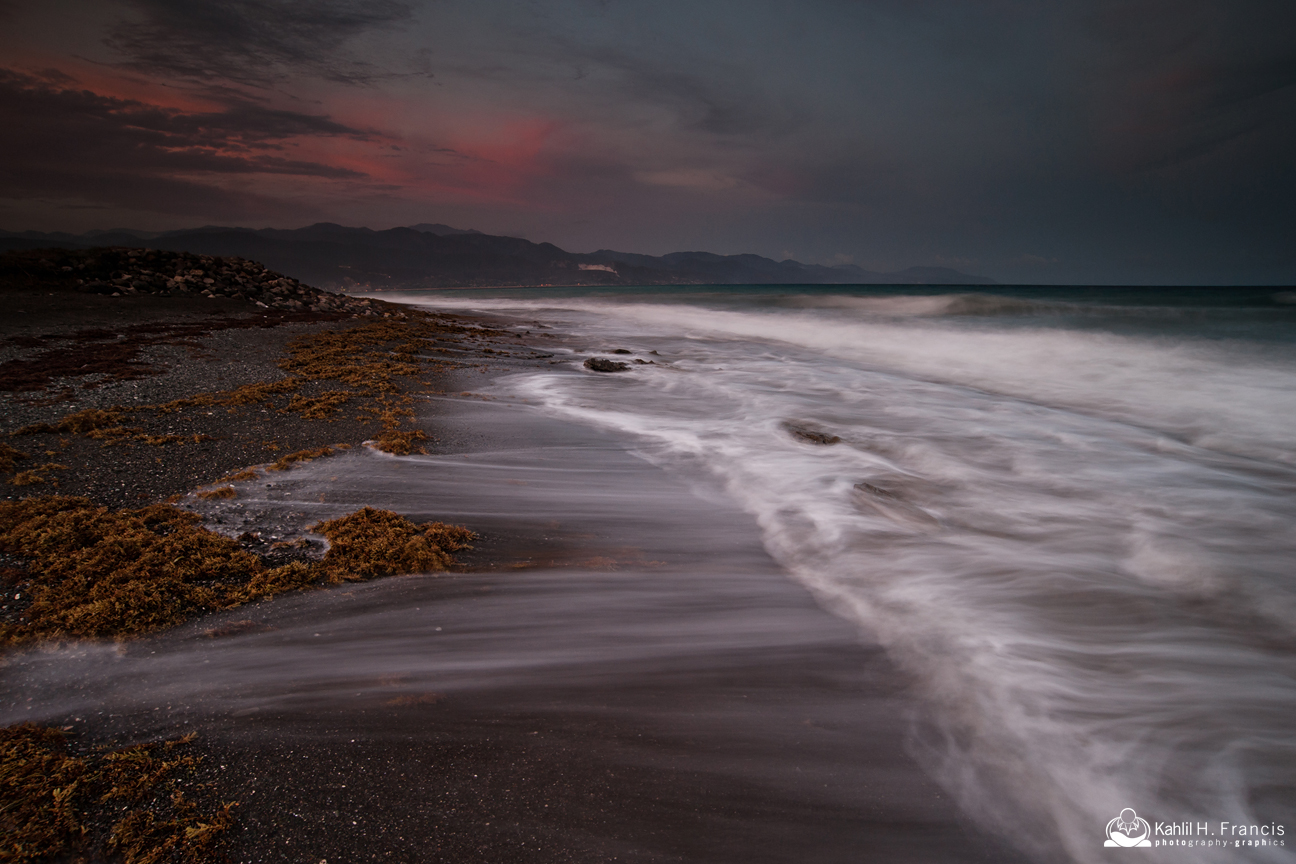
x: 602, y: 364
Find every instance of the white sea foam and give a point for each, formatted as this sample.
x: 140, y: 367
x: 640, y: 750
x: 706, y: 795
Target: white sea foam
x: 1233, y: 396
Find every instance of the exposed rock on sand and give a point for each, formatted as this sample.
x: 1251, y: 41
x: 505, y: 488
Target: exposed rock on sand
x: 602, y: 364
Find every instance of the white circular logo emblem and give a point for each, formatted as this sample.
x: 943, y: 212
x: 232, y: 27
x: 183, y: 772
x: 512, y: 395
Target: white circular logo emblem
x: 1128, y: 830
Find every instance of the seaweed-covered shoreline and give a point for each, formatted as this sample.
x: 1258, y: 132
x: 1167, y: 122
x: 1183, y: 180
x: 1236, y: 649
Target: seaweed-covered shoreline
x: 128, y: 400
x: 130, y: 380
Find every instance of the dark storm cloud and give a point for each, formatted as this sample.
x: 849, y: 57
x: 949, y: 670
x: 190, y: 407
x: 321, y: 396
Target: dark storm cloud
x: 695, y: 60
x: 114, y: 190
x: 79, y: 144
x: 723, y: 105
x: 1189, y: 78
x: 254, y: 43
x: 1087, y: 135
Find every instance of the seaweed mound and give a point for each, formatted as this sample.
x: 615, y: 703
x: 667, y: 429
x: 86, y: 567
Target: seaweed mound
x: 88, y: 571
x: 136, y: 804
x: 372, y: 543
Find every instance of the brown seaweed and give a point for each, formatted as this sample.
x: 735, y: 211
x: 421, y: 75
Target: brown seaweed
x: 136, y: 803
x: 92, y: 572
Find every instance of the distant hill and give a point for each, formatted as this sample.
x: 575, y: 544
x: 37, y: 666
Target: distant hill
x: 438, y: 256
x: 442, y: 230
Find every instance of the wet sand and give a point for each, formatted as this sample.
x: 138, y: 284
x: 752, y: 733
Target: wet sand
x: 620, y: 679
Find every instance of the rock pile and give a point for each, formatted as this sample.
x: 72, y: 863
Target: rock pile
x: 118, y: 271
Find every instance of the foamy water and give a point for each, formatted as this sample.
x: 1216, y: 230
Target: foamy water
x: 1071, y: 522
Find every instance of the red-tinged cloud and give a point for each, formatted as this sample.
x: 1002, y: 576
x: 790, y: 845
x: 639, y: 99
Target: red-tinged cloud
x: 114, y: 143
x: 78, y: 144
x: 502, y: 163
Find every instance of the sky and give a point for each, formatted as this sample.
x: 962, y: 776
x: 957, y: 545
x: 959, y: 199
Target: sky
x: 1108, y: 141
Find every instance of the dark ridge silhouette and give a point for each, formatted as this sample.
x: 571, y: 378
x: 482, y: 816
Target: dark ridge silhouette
x: 437, y: 256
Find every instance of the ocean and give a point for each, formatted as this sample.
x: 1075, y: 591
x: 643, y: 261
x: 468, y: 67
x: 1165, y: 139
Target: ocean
x: 1067, y: 513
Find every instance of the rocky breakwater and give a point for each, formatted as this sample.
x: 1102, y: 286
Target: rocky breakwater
x: 121, y: 272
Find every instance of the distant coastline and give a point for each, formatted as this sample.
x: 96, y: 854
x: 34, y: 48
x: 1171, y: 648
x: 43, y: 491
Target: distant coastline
x: 438, y: 256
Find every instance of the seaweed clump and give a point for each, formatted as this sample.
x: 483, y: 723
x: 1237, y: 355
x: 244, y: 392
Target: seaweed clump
x: 102, y: 426
x: 80, y: 423
x: 10, y: 456
x: 91, y: 572
x: 371, y: 543
x: 97, y: 572
x: 39, y: 474
x: 136, y: 803
x: 283, y: 463
x: 371, y: 362
x: 318, y: 407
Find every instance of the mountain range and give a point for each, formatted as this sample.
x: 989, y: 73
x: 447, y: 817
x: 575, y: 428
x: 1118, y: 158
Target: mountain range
x: 438, y: 256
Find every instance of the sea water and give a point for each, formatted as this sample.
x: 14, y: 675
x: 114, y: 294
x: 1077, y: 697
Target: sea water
x: 1068, y: 514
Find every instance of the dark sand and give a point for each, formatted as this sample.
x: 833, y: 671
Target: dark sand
x: 755, y: 749
x: 196, y: 345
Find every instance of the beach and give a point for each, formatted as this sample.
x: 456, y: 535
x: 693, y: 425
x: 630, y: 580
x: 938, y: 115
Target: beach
x: 616, y: 671
x: 805, y: 573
